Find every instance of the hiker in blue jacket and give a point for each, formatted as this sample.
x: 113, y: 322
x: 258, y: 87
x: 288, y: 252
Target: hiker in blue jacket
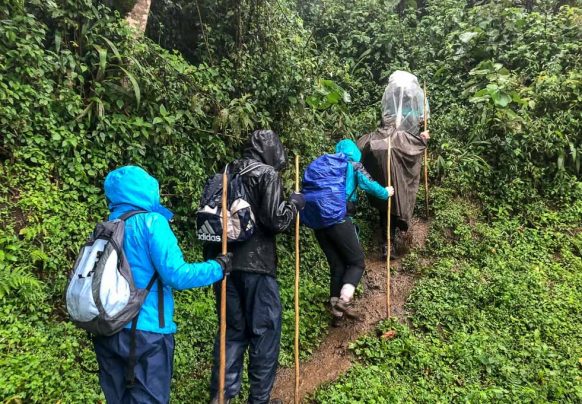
x: 340, y: 242
x: 150, y: 246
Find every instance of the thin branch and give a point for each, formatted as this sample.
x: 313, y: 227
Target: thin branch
x: 204, y: 34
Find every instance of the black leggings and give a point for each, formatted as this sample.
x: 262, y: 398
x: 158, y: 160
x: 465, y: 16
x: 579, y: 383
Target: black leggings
x: 344, y: 254
x: 395, y: 223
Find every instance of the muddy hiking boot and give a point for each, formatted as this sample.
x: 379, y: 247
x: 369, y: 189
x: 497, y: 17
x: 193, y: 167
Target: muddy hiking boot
x: 393, y: 254
x: 336, y: 315
x: 337, y: 321
x: 347, y: 308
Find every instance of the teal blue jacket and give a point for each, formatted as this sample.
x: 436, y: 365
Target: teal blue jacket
x: 150, y: 245
x: 357, y: 176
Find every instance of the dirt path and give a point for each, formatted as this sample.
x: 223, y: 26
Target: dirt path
x: 332, y: 359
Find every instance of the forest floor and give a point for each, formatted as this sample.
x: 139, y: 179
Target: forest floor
x: 333, y: 358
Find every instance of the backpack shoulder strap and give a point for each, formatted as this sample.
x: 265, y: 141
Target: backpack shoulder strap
x: 131, y: 213
x: 354, y: 165
x: 132, y: 359
x: 250, y: 168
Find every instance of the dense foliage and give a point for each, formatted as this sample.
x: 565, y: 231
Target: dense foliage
x: 495, y: 313
x: 80, y: 94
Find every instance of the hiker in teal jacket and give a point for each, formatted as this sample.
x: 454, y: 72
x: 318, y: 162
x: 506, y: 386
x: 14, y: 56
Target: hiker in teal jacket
x: 150, y: 247
x: 340, y: 242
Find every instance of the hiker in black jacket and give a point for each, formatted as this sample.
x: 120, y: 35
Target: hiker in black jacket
x: 253, y: 307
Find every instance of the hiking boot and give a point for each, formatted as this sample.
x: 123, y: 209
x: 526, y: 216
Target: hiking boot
x: 393, y: 254
x: 276, y: 401
x: 336, y: 321
x: 346, y: 308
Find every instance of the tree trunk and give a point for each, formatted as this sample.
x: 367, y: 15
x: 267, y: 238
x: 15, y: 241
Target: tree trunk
x: 138, y: 17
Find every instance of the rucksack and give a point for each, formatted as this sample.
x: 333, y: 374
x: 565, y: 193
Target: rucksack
x: 241, y: 220
x: 101, y: 296
x: 324, y: 189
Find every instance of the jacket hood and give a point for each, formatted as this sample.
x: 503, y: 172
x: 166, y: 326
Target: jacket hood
x: 349, y: 148
x: 265, y: 146
x: 130, y: 188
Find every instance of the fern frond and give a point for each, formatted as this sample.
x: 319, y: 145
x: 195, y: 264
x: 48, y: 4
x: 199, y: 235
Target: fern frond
x: 17, y: 279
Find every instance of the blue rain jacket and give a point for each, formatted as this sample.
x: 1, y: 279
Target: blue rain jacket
x: 357, y: 176
x: 150, y: 245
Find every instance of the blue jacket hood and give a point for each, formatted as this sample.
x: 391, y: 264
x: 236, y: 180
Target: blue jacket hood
x: 350, y: 149
x: 131, y: 187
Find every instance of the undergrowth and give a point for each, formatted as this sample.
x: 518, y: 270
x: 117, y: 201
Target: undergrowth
x: 495, y: 314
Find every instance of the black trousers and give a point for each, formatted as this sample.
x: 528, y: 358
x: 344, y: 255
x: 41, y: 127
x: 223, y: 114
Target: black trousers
x: 395, y: 223
x: 344, y: 254
x: 253, y: 322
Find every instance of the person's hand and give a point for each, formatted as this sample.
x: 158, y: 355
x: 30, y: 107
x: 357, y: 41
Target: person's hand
x: 225, y: 261
x: 390, y: 191
x: 298, y: 200
x: 425, y: 135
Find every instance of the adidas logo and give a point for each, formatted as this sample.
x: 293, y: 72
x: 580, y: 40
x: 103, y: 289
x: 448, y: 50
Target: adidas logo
x: 207, y: 233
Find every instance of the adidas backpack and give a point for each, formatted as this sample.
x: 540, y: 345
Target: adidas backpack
x: 101, y: 296
x: 324, y: 189
x: 241, y: 220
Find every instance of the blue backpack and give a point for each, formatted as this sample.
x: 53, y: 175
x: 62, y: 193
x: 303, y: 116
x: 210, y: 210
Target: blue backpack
x: 324, y: 188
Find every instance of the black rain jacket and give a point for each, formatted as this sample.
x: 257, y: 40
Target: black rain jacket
x: 273, y: 213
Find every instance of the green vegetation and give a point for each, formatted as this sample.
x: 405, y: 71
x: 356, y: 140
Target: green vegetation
x: 496, y: 310
x: 495, y: 315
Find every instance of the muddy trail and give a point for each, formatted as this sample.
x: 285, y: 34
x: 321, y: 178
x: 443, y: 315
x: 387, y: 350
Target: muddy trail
x: 333, y: 358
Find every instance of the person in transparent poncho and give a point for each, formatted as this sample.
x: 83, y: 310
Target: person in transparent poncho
x: 402, y: 119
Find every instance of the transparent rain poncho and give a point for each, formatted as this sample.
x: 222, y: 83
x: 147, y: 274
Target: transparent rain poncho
x: 402, y: 119
x: 403, y: 103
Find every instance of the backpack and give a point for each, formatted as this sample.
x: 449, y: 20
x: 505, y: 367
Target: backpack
x: 101, y: 296
x: 324, y: 189
x: 241, y: 220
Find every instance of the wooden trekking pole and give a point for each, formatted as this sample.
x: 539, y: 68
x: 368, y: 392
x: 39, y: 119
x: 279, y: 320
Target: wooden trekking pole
x: 425, y: 155
x: 222, y: 368
x: 388, y: 235
x: 297, y: 287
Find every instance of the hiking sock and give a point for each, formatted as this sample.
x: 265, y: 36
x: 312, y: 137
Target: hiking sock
x: 347, y: 292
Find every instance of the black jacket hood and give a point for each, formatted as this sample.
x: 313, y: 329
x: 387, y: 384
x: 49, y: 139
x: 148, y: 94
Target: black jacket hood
x: 265, y: 146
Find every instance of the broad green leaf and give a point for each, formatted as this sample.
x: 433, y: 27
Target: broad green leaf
x: 500, y: 99
x: 112, y: 47
x: 102, y: 60
x: 467, y: 36
x: 134, y: 84
x: 58, y: 40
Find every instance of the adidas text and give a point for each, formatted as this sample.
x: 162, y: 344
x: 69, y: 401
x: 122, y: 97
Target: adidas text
x: 208, y: 237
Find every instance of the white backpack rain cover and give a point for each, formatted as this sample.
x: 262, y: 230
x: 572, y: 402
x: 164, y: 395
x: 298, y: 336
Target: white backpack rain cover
x: 101, y: 296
